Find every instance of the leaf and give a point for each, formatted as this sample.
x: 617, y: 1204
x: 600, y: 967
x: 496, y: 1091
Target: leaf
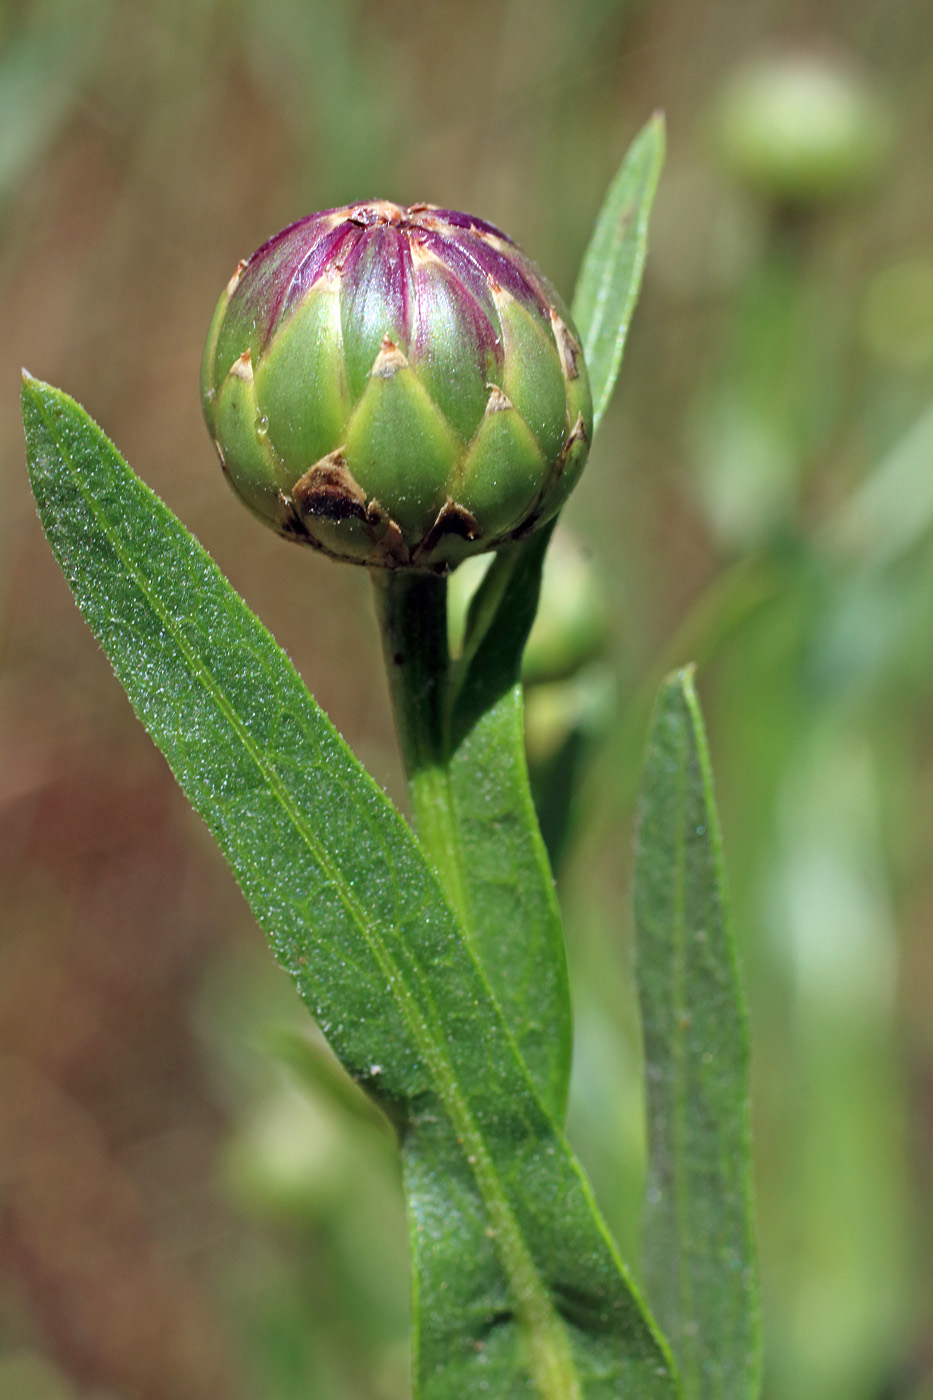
x: 460, y: 733
x: 43, y: 63
x: 610, y: 277
x: 699, y: 1251
x: 519, y: 1291
x: 515, y: 917
x: 313, y: 1064
x: 891, y: 510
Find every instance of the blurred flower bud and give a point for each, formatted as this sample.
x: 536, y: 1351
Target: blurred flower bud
x: 396, y: 387
x: 801, y: 127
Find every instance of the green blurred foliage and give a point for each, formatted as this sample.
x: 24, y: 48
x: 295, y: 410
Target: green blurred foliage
x: 184, y: 1211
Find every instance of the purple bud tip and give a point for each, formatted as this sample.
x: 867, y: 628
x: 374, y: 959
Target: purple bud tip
x: 376, y: 240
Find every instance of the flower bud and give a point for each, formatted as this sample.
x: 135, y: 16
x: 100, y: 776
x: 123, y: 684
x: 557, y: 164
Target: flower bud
x: 801, y: 127
x: 397, y: 387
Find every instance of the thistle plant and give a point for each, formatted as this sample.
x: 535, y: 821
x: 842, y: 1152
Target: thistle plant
x: 401, y: 389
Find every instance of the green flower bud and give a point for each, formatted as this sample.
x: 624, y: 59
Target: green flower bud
x: 801, y: 127
x: 397, y: 387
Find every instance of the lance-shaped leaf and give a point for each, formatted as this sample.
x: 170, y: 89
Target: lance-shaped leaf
x: 508, y: 876
x: 461, y: 734
x: 518, y: 1288
x: 610, y: 277
x: 698, y: 1245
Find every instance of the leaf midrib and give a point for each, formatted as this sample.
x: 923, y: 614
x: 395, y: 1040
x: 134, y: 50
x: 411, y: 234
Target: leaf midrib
x: 683, y: 1212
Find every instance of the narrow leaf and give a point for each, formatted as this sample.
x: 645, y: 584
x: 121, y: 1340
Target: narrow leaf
x: 515, y: 919
x: 518, y: 1289
x: 891, y: 510
x: 460, y: 732
x: 699, y: 1252
x: 610, y: 276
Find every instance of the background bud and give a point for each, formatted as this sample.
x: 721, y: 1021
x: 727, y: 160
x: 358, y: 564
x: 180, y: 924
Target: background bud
x: 801, y: 126
x: 396, y: 386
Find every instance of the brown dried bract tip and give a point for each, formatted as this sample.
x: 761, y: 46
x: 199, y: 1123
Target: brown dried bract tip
x: 452, y: 519
x: 237, y: 274
x: 498, y: 402
x: 569, y: 348
x: 388, y: 361
x: 377, y: 211
x: 328, y: 489
x: 577, y: 435
x: 243, y: 367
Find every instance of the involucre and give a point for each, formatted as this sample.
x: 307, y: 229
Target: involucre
x: 397, y: 387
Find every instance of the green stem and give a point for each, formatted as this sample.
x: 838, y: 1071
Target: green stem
x: 412, y: 612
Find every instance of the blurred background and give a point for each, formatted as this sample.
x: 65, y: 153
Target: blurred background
x: 190, y: 1203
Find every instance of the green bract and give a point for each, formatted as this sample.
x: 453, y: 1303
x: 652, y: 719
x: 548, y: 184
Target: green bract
x: 396, y: 387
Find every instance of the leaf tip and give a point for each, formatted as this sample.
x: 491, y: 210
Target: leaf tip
x: 654, y: 133
x: 681, y: 676
x: 31, y: 386
x: 678, y: 689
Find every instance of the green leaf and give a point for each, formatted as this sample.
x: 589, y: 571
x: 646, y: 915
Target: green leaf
x: 699, y: 1251
x: 44, y: 62
x: 519, y: 1291
x: 891, y: 510
x: 610, y: 277
x: 311, y: 1061
x: 510, y: 884
x: 462, y: 740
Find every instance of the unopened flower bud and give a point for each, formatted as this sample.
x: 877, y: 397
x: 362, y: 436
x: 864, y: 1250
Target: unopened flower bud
x: 397, y: 387
x: 801, y: 127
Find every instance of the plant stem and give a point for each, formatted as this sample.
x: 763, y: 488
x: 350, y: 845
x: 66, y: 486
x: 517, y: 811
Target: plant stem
x: 412, y: 612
